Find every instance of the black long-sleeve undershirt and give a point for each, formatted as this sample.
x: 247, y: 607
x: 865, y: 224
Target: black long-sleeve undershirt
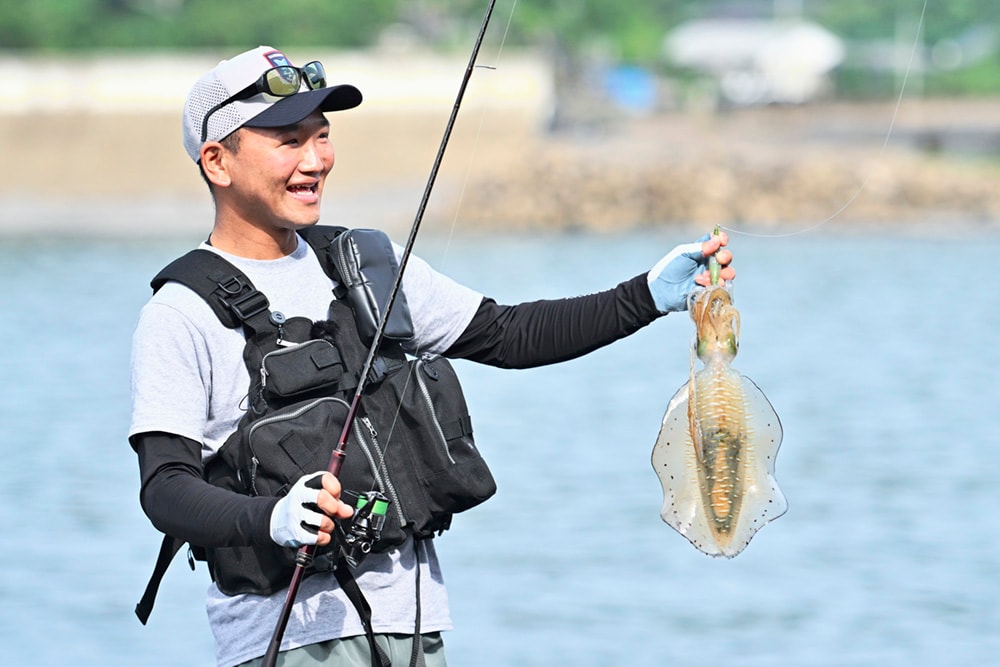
x: 180, y: 503
x: 537, y: 333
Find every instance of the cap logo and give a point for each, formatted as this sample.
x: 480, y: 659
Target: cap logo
x: 277, y: 59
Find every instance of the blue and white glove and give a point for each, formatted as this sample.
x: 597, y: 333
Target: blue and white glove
x: 672, y: 279
x: 296, y: 518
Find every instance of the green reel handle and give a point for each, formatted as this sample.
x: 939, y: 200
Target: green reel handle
x: 379, y: 508
x: 714, y: 268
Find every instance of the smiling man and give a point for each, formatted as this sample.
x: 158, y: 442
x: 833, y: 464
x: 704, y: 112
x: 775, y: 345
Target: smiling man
x: 256, y: 128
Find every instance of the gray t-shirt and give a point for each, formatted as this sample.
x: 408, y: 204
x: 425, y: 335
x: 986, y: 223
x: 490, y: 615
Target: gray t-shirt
x: 189, y: 379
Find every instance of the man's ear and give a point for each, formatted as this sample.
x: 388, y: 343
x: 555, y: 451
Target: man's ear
x: 213, y: 163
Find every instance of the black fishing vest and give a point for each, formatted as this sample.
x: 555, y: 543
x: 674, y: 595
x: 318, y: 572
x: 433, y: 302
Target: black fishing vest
x: 412, y: 439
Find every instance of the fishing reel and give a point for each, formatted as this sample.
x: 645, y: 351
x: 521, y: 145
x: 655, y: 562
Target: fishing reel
x: 359, y: 534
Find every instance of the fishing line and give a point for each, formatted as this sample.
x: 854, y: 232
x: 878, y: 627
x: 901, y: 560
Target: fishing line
x: 881, y: 154
x: 475, y: 140
x: 477, y: 136
x: 454, y: 222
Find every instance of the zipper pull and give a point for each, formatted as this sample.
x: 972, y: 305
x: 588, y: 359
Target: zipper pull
x: 371, y: 427
x: 254, y: 463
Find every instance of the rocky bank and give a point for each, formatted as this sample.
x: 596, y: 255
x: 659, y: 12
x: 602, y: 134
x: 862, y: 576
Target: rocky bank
x: 794, y: 167
x: 788, y: 167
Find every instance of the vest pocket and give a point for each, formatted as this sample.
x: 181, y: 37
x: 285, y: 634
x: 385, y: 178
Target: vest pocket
x: 301, y: 368
x: 291, y: 442
x: 443, y: 466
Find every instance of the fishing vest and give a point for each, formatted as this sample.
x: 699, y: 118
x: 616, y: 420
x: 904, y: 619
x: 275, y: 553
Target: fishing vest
x: 412, y: 438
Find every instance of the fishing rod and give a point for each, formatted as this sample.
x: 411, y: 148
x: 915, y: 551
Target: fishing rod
x: 305, y: 554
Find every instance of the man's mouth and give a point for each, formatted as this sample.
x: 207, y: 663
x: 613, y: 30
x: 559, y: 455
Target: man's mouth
x: 302, y: 189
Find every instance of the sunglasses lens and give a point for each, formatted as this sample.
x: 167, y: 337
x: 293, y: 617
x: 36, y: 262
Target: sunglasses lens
x: 282, y: 81
x: 315, y: 75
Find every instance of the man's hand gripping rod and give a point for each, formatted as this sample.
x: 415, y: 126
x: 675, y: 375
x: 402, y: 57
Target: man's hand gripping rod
x: 305, y: 554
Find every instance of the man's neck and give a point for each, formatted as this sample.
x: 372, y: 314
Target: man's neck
x: 253, y: 242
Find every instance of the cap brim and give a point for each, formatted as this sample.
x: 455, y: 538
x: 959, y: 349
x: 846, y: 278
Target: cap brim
x: 291, y: 110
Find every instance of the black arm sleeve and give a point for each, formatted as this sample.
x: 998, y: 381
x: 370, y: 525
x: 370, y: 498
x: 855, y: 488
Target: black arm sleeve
x: 546, y: 332
x: 180, y: 503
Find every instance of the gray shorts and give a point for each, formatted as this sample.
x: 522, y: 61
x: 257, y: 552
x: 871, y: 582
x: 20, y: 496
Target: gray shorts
x: 353, y: 652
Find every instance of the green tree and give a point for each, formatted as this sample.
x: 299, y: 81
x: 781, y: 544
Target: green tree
x: 96, y: 24
x: 629, y: 31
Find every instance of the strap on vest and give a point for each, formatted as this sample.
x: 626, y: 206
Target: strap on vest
x: 457, y: 428
x: 417, y: 656
x: 168, y: 549
x: 349, y: 585
x: 230, y: 294
x: 363, y: 261
x: 322, y: 238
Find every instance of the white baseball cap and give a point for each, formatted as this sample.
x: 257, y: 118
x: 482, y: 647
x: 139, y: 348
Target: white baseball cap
x: 212, y: 95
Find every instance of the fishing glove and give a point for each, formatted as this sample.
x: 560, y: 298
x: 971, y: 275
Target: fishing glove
x: 296, y: 518
x: 672, y: 279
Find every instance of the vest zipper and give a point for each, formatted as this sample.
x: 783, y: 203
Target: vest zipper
x: 351, y: 280
x: 425, y: 393
x: 388, y: 486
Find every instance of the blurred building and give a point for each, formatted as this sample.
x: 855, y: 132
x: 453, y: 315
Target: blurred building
x: 757, y: 61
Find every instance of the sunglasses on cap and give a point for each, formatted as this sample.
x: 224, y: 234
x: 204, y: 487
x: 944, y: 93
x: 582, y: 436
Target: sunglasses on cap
x: 283, y: 81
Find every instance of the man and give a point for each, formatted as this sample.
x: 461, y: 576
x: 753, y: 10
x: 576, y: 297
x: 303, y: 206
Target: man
x: 255, y: 126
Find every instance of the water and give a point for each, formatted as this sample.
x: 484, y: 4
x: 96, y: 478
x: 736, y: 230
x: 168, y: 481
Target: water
x: 877, y: 353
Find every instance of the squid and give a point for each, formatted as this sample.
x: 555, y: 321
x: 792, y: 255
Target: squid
x: 719, y: 438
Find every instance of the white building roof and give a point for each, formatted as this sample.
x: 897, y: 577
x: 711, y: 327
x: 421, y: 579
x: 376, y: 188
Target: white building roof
x: 787, y: 59
x: 720, y: 45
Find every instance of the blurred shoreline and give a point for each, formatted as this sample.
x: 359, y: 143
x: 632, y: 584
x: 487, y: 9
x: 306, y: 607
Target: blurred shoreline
x: 934, y: 161
x: 927, y: 161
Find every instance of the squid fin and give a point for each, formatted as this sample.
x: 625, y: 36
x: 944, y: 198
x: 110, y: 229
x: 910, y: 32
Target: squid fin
x: 675, y: 460
x: 763, y: 501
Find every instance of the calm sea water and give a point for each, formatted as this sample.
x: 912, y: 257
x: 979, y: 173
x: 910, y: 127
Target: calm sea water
x: 878, y: 353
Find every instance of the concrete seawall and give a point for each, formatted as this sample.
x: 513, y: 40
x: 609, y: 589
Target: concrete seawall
x: 117, y: 167
x: 93, y: 144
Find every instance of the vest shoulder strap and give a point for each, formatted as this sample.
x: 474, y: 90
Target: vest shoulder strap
x: 229, y: 293
x: 322, y: 239
x: 362, y: 261
x: 227, y: 290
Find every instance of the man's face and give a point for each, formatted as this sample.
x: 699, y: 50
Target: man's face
x: 277, y: 174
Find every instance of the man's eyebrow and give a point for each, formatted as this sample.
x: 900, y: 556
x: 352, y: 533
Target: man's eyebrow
x: 294, y: 127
